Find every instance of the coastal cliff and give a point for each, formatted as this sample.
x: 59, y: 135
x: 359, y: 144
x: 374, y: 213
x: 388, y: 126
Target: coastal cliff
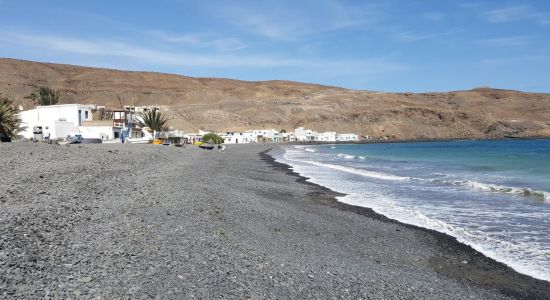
x: 224, y: 104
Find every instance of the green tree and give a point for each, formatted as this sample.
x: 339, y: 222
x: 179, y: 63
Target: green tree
x: 282, y: 131
x: 10, y: 123
x: 212, y: 138
x: 45, y: 96
x: 153, y: 119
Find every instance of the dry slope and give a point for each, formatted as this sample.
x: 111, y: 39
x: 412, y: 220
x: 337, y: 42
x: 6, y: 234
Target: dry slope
x: 223, y: 104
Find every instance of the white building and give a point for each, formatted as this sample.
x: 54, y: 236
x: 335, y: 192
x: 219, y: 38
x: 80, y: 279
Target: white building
x: 347, y: 137
x: 290, y: 137
x: 268, y: 135
x: 63, y: 119
x: 60, y: 120
x: 102, y: 129
x: 307, y: 135
x: 304, y: 135
x: 326, y: 136
x: 239, y: 137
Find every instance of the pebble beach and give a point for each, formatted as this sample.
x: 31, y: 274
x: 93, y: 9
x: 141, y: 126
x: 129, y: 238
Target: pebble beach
x: 150, y: 221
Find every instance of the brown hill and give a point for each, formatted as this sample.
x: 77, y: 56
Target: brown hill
x: 224, y: 104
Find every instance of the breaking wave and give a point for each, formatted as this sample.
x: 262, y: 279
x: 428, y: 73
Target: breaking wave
x: 356, y: 171
x: 494, y: 188
x: 346, y: 156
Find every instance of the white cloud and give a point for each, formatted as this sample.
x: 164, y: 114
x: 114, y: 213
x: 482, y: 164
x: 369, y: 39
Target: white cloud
x: 532, y: 59
x: 286, y: 22
x: 200, y: 40
x: 113, y: 52
x: 509, y: 14
x: 517, y: 13
x: 109, y: 48
x: 515, y: 41
x: 410, y: 37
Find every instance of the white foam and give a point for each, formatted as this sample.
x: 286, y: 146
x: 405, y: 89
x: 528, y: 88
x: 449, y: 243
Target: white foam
x: 494, y: 188
x: 346, y: 156
x: 356, y: 171
x: 310, y: 150
x: 507, y: 252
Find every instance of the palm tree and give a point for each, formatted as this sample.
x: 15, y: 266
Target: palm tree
x: 153, y: 119
x: 45, y: 96
x: 10, y: 123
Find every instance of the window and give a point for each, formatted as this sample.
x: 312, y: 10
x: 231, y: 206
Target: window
x: 86, y: 115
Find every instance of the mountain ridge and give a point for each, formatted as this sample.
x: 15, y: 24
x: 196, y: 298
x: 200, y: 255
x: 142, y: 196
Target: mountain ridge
x: 221, y: 104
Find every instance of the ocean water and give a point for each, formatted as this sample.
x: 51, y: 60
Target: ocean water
x: 491, y: 195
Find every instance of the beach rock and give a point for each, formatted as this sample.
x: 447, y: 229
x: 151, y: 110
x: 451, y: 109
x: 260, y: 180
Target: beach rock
x: 61, y: 239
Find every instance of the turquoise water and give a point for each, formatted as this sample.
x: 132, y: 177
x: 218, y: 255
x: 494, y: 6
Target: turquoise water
x: 492, y: 195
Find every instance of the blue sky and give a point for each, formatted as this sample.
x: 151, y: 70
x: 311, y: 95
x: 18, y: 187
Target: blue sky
x: 400, y: 45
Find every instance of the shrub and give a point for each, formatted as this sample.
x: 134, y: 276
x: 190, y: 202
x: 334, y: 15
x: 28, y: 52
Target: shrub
x: 10, y: 123
x: 212, y: 138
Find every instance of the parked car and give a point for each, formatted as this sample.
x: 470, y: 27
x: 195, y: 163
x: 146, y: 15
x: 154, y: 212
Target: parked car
x: 74, y: 138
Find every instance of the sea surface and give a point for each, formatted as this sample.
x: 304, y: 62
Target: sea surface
x: 491, y: 195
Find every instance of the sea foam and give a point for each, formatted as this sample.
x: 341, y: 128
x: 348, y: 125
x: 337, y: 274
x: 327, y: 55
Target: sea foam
x: 357, y: 171
x: 495, y: 188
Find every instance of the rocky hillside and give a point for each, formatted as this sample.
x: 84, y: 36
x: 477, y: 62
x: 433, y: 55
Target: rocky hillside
x: 223, y: 104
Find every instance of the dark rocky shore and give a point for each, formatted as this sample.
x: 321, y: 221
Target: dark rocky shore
x: 144, y: 221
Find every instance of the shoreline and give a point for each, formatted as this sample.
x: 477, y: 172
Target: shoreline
x: 503, y: 278
x: 377, y: 141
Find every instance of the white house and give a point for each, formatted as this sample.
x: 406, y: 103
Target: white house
x: 326, y: 136
x: 304, y: 135
x: 239, y: 137
x: 290, y: 137
x: 347, y: 137
x: 102, y: 129
x: 63, y: 119
x: 60, y: 120
x: 268, y: 135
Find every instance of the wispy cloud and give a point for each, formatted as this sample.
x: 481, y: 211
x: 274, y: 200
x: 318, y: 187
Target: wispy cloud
x: 515, y: 41
x: 200, y: 40
x: 282, y: 22
x: 410, y: 37
x: 529, y: 59
x: 112, y: 50
x: 517, y: 13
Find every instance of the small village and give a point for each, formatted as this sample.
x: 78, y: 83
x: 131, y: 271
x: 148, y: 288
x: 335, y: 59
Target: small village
x: 80, y: 123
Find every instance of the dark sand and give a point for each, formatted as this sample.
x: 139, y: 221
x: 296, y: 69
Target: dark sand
x: 146, y: 221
